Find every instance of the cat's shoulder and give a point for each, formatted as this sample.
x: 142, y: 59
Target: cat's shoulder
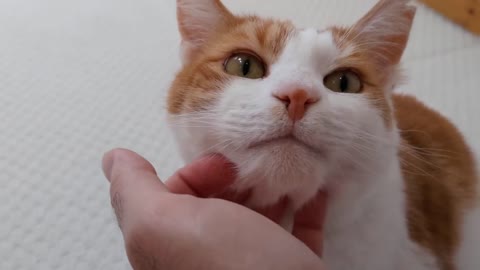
x: 435, y: 142
x: 440, y: 176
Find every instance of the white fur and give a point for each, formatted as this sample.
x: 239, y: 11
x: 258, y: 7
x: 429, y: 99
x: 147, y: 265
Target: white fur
x: 350, y: 153
x: 469, y: 252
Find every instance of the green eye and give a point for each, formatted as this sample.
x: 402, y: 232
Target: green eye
x: 344, y: 81
x: 245, y: 65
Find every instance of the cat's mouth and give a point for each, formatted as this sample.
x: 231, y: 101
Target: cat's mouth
x: 286, y: 139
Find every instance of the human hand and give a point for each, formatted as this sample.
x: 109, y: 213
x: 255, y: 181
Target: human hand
x: 307, y: 222
x: 164, y: 230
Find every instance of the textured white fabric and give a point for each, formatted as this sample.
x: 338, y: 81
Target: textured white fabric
x: 80, y: 77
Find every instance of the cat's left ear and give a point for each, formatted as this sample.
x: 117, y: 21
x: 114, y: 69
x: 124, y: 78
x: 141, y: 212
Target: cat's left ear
x: 384, y: 32
x: 197, y: 21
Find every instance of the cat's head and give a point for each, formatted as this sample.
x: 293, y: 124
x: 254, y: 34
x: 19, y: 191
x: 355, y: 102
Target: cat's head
x: 287, y: 105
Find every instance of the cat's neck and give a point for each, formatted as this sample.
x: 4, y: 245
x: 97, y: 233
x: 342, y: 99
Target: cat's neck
x: 366, y: 213
x: 375, y: 190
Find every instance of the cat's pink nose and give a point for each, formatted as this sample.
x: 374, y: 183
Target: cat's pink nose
x: 297, y: 102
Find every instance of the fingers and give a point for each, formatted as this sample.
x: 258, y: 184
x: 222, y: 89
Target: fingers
x: 134, y: 183
x: 205, y: 177
x: 273, y: 212
x: 235, y: 196
x: 309, y: 223
x: 276, y: 212
x: 211, y: 176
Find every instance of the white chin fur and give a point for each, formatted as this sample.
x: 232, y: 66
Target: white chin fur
x: 275, y: 171
x: 271, y: 171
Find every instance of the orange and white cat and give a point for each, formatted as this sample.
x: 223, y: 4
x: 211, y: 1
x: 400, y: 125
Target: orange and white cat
x: 303, y: 110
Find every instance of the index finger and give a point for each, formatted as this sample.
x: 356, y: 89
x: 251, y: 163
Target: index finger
x: 309, y: 223
x: 205, y: 177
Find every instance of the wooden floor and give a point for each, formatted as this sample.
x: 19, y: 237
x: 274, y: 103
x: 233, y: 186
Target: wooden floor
x: 463, y: 12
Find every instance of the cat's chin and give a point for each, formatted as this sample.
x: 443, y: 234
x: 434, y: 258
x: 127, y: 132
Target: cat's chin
x: 278, y: 169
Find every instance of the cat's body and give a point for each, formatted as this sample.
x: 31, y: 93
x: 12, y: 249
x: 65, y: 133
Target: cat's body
x: 432, y: 184
x: 302, y: 110
x: 442, y: 188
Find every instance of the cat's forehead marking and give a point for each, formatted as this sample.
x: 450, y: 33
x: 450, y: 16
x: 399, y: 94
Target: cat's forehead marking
x: 311, y: 49
x: 320, y: 43
x: 319, y: 31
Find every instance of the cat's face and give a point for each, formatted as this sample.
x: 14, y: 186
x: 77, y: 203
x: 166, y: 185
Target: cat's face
x: 289, y: 106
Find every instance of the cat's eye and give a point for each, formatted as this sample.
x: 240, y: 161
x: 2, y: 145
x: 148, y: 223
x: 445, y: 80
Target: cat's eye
x: 245, y: 65
x: 343, y: 81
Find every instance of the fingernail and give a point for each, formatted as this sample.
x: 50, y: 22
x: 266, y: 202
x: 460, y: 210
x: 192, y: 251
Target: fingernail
x: 107, y: 164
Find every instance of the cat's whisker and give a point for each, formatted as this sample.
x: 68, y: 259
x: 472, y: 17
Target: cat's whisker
x: 216, y: 148
x: 370, y: 138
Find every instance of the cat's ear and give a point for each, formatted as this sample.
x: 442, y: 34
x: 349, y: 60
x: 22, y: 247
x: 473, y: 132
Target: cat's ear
x: 197, y: 21
x: 384, y: 31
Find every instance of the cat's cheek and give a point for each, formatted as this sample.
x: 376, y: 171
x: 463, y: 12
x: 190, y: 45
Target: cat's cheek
x: 192, y: 138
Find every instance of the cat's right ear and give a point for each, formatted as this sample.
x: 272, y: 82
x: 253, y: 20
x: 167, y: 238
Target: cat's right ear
x: 197, y: 21
x: 383, y: 33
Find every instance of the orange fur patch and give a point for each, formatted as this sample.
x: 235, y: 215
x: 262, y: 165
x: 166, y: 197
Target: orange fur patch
x: 373, y: 77
x: 198, y: 83
x: 440, y: 176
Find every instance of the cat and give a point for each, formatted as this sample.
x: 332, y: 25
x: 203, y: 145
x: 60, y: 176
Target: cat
x: 303, y: 110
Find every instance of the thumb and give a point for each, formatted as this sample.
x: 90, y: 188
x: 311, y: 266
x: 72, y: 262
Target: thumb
x: 134, y: 183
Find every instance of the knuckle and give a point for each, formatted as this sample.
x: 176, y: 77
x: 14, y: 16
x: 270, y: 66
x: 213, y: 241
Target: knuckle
x: 138, y: 251
x: 117, y: 205
x: 117, y: 201
x: 135, y: 241
x: 143, y: 229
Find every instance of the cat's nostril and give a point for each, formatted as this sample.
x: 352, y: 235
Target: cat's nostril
x: 284, y: 99
x: 296, y: 103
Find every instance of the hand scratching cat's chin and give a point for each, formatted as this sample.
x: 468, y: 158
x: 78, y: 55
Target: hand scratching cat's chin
x: 278, y: 168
